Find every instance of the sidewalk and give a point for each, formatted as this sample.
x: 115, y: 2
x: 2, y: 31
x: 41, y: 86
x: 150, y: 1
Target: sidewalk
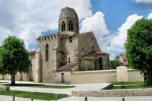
x: 78, y: 87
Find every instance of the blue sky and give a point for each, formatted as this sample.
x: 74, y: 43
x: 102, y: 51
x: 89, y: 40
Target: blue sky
x: 108, y: 19
x: 116, y: 11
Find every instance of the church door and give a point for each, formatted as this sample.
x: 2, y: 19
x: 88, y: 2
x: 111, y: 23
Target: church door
x: 62, y: 77
x: 100, y: 64
x: 96, y: 65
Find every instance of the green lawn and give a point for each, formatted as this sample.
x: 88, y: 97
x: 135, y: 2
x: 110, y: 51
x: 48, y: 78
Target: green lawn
x: 37, y: 95
x: 40, y: 86
x: 3, y: 82
x: 129, y: 85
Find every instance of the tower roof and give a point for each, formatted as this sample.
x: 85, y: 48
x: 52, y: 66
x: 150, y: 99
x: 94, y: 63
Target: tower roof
x: 68, y: 12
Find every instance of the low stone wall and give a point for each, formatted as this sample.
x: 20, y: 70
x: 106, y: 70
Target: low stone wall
x: 67, y: 77
x: 93, y: 76
x: 114, y: 93
x: 4, y: 88
x: 102, y: 76
x: 134, y: 75
x: 85, y: 77
x: 18, y: 76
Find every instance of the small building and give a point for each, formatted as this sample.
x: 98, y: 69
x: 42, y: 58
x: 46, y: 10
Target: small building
x: 123, y: 60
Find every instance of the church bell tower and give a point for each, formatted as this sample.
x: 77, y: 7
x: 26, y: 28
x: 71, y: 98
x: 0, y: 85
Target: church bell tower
x: 68, y: 20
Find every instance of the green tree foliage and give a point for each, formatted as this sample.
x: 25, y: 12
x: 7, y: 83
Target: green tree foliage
x: 13, y: 57
x: 117, y: 57
x: 139, y: 48
x: 114, y: 64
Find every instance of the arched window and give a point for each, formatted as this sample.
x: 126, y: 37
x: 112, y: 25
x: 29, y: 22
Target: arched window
x: 100, y: 63
x: 93, y: 48
x: 63, y: 26
x: 77, y: 27
x: 70, y: 39
x: 47, y: 52
x: 69, y: 60
x: 70, y: 26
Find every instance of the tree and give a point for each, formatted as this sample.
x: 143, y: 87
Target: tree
x: 139, y: 48
x: 13, y: 57
x: 117, y: 57
x: 114, y: 64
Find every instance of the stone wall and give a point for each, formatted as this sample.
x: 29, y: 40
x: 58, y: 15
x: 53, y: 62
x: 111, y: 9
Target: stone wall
x: 134, y: 75
x: 114, y: 93
x: 84, y: 77
x: 93, y: 76
x: 31, y: 71
x: 87, y: 42
x: 87, y: 64
x: 102, y: 76
x: 18, y: 77
x: 67, y: 78
x: 72, y: 48
x: 47, y: 67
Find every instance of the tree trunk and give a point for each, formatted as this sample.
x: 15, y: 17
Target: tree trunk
x: 149, y: 77
x: 12, y: 79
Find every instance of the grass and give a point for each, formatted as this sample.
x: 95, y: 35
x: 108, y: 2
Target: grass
x: 37, y: 95
x: 3, y: 82
x: 129, y: 85
x: 40, y: 86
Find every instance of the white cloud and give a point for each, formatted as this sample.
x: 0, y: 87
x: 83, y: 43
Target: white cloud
x: 143, y: 1
x: 26, y: 19
x: 150, y: 16
x: 96, y: 23
x: 117, y: 42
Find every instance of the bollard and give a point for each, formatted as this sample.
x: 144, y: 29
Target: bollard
x: 123, y: 99
x: 56, y: 97
x: 86, y: 99
x: 32, y: 96
x: 13, y: 95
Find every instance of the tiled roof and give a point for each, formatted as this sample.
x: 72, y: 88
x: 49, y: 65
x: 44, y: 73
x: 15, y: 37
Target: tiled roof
x: 123, y: 57
x: 92, y: 54
x: 66, y: 67
x: 32, y: 52
x: 88, y: 57
x: 100, y: 53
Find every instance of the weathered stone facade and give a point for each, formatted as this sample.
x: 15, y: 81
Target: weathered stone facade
x: 65, y: 47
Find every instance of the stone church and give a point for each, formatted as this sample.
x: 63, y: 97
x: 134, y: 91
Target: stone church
x: 66, y: 50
